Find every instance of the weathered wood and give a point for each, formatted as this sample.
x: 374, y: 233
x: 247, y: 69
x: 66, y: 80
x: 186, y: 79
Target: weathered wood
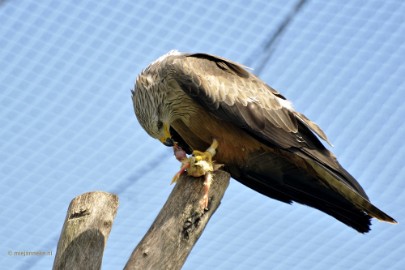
x: 85, y: 232
x: 179, y: 224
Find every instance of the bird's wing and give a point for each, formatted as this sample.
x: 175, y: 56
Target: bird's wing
x: 234, y: 94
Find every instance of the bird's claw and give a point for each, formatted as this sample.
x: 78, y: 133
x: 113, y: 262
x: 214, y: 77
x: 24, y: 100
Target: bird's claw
x: 198, y: 164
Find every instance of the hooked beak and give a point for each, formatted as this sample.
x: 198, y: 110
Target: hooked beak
x: 169, y: 142
x: 167, y: 137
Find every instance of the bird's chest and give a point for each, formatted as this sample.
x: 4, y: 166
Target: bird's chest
x: 201, y: 127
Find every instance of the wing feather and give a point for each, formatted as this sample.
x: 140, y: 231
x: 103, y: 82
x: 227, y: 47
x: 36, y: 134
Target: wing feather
x: 233, y: 94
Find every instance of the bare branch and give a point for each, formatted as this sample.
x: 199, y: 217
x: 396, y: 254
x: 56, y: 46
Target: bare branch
x: 179, y: 224
x: 85, y: 232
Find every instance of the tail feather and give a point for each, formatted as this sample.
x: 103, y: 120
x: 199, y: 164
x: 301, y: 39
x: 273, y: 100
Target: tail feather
x: 355, y: 197
x: 318, y: 187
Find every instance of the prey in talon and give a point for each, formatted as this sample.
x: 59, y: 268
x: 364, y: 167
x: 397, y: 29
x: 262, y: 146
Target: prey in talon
x: 181, y: 156
x: 198, y: 164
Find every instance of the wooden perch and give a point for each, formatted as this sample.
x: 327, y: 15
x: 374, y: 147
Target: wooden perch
x: 179, y: 224
x: 84, y: 234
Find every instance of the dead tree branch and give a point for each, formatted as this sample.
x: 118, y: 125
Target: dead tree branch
x: 84, y: 234
x: 179, y: 224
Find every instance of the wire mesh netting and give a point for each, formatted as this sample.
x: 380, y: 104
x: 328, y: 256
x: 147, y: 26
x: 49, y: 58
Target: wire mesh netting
x: 67, y: 123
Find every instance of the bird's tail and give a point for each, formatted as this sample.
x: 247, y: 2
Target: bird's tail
x: 316, y: 186
x: 337, y: 181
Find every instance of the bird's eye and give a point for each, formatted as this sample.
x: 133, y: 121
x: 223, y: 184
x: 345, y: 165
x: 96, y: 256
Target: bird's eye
x: 159, y: 125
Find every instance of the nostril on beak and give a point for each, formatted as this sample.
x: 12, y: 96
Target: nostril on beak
x: 169, y: 142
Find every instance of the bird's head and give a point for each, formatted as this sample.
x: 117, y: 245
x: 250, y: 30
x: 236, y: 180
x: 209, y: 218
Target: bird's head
x: 151, y: 110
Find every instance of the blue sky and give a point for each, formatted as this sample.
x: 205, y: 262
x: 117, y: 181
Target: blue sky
x: 68, y: 127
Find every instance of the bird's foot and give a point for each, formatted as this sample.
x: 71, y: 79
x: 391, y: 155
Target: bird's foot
x: 199, y: 164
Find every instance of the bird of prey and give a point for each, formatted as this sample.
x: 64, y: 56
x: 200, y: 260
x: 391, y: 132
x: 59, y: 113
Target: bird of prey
x: 193, y: 100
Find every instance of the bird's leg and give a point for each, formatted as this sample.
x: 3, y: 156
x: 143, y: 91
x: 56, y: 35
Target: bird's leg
x: 201, y: 163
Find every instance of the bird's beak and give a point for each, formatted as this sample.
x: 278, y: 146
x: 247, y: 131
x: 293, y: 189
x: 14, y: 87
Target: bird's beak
x: 167, y: 137
x: 169, y: 142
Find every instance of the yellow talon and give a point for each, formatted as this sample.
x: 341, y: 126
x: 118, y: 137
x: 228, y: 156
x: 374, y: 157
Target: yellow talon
x: 199, y: 164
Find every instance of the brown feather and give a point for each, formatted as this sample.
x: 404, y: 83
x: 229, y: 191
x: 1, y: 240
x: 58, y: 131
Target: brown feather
x: 263, y: 142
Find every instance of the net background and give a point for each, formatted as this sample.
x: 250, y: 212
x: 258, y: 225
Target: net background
x: 67, y: 123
